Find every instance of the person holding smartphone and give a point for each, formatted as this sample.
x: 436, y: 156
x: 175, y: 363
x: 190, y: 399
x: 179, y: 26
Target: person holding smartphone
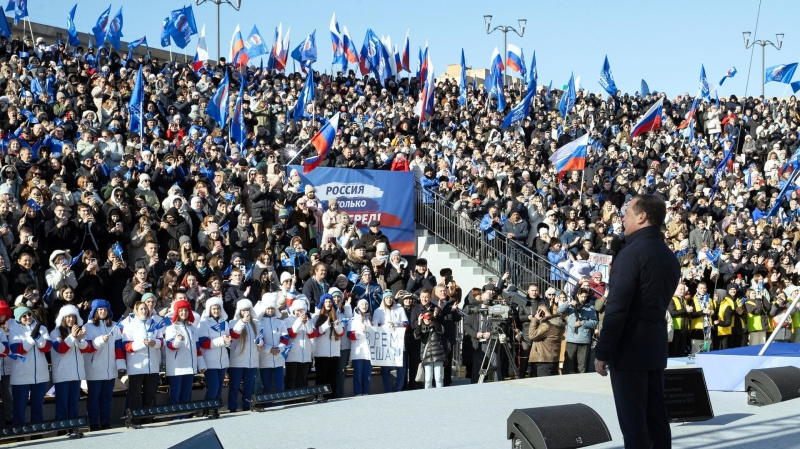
x: 546, y: 332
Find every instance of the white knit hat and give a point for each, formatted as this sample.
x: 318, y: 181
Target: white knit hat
x: 286, y: 276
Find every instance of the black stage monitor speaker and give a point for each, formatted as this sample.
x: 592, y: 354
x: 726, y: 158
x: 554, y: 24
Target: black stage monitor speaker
x: 686, y: 395
x: 555, y: 428
x: 767, y: 386
x: 204, y: 440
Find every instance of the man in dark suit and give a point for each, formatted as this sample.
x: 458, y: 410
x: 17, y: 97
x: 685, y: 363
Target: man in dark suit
x: 478, y: 327
x: 633, y: 340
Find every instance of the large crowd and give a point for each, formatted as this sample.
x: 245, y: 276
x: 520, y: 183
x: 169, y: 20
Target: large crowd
x: 178, y: 250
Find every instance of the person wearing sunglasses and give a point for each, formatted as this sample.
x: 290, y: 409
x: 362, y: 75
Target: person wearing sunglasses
x: 29, y: 377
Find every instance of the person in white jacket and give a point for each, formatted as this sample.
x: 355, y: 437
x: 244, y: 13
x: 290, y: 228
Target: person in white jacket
x: 392, y: 314
x: 60, y: 273
x: 271, y: 364
x: 327, y: 344
x: 246, y: 340
x: 30, y: 341
x: 344, y: 312
x: 143, y: 339
x: 67, y: 343
x: 104, y: 361
x: 6, y: 320
x: 214, y: 337
x: 301, y: 333
x: 184, y: 359
x: 359, y: 352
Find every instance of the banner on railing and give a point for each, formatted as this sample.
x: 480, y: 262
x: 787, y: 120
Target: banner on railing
x: 386, y: 196
x: 386, y: 345
x: 601, y: 263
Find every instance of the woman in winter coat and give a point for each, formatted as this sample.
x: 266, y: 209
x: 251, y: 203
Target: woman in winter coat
x: 242, y: 238
x: 183, y: 358
x: 396, y: 272
x: 103, y: 359
x: 245, y: 345
x: 6, y: 320
x: 344, y: 313
x: 301, y: 332
x: 368, y: 289
x: 430, y: 333
x: 359, y: 352
x: 214, y: 337
x: 327, y: 345
x: 143, y: 338
x: 29, y: 377
x: 59, y: 274
x: 68, y: 342
x: 392, y: 314
x: 271, y: 364
x: 136, y: 288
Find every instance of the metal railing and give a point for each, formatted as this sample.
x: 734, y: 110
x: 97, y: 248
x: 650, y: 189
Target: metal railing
x: 497, y: 256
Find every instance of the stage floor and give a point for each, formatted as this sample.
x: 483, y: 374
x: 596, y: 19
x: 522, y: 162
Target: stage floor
x: 725, y: 370
x: 472, y: 416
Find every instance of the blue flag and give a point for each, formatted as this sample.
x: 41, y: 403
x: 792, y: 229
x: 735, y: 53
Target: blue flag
x: 238, y: 129
x: 779, y: 201
x: 225, y: 227
x: 705, y: 92
x: 305, y: 98
x: 218, y: 105
x: 730, y: 74
x: 166, y: 24
x: 47, y: 292
x: 228, y: 271
x: 781, y: 73
x: 219, y: 327
x: 568, y: 99
x: 254, y: 45
x: 720, y: 171
x: 181, y: 26
x: 36, y: 88
x: 135, y: 105
x: 249, y: 272
x: 99, y: 30
x: 533, y: 75
x: 71, y: 31
x: 306, y: 52
x: 259, y: 336
x: 376, y: 56
x: 352, y: 277
x: 645, y: 89
x: 21, y: 358
x: 133, y: 45
x: 34, y: 205
x: 117, y: 249
x: 496, y: 77
x: 286, y: 350
x: 76, y: 259
x: 114, y: 30
x: 20, y: 8
x: 520, y: 111
x: 462, y: 85
x: 606, y: 79
x: 154, y: 326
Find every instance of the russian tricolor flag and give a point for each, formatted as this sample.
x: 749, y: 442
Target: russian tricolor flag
x: 690, y: 115
x: 571, y: 156
x: 405, y: 59
x: 514, y: 58
x: 239, y: 56
x: 350, y: 51
x: 322, y: 141
x: 650, y: 121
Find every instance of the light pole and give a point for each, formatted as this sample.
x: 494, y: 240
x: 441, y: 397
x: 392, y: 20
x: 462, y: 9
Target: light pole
x: 763, y: 44
x: 504, y: 29
x: 236, y: 4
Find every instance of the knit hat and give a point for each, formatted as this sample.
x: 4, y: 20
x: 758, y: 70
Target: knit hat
x: 550, y: 291
x: 147, y: 296
x: 323, y: 298
x: 67, y: 310
x: 5, y: 310
x: 184, y: 239
x: 21, y: 310
x: 358, y: 304
x: 286, y: 276
x: 382, y: 247
x: 387, y: 294
x: 215, y: 301
x: 182, y: 304
x: 96, y: 304
x: 308, y: 188
x: 299, y: 304
x: 365, y: 270
x: 212, y: 227
x: 283, y: 213
x: 333, y: 291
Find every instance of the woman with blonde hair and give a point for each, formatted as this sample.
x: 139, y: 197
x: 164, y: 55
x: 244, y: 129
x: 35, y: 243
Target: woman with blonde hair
x: 246, y: 342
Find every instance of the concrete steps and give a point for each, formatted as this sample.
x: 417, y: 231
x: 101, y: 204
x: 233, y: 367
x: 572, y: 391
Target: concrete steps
x: 466, y: 272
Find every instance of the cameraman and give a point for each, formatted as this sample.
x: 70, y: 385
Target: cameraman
x: 449, y: 317
x: 524, y: 315
x: 478, y: 327
x: 581, y: 322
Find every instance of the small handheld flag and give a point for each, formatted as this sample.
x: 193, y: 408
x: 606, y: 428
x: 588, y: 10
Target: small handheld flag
x: 260, y: 337
x: 17, y: 357
x: 47, y: 292
x: 285, y: 352
x: 352, y: 277
x: 117, y: 249
x: 730, y: 74
x: 76, y: 259
x: 219, y: 327
x: 34, y: 205
x: 154, y: 326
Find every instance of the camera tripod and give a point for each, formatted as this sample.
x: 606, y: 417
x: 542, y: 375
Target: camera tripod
x: 497, y: 337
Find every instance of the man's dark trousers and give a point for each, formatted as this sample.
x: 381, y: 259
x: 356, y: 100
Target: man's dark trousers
x: 641, y: 410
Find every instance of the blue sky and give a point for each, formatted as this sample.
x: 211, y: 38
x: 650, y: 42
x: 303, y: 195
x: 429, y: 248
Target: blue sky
x: 663, y: 42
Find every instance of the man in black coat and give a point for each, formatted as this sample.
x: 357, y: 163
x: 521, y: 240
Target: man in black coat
x: 59, y: 231
x: 449, y: 316
x: 633, y: 340
x: 171, y: 229
x: 420, y: 278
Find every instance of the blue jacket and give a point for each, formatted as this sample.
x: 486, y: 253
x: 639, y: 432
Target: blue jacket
x: 588, y: 318
x: 488, y: 229
x: 373, y: 293
x: 428, y: 186
x: 556, y: 273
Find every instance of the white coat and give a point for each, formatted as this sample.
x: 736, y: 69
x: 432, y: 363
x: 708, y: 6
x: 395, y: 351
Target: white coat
x: 102, y: 359
x: 142, y: 359
x: 300, y: 336
x: 5, y: 340
x: 33, y: 370
x: 66, y: 357
x: 183, y: 356
x: 357, y: 333
x: 244, y: 351
x: 396, y: 315
x: 275, y: 336
x: 212, y: 344
x: 325, y: 345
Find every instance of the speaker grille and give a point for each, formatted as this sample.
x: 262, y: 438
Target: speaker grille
x: 786, y: 380
x: 568, y: 426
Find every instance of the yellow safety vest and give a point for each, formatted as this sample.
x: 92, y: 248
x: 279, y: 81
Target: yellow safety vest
x: 677, y: 321
x: 697, y: 322
x: 726, y: 304
x: 754, y: 323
